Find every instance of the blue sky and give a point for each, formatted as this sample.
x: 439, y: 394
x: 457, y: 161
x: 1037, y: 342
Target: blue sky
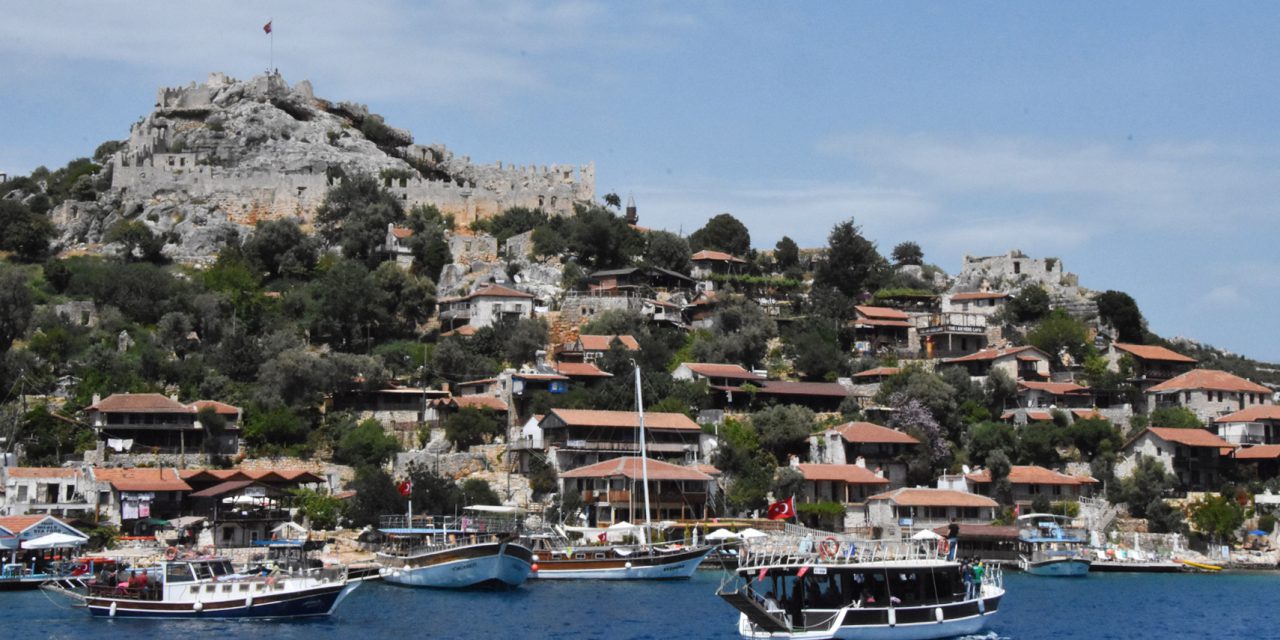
x: 1135, y: 141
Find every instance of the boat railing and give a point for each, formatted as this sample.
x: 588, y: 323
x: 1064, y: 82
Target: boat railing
x: 810, y: 548
x: 456, y: 524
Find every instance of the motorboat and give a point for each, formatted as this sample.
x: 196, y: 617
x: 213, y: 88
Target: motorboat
x: 1051, y: 546
x: 210, y: 587
x: 479, y: 549
x: 805, y: 583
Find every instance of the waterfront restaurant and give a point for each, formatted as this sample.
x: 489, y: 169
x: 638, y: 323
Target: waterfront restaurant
x: 35, y: 540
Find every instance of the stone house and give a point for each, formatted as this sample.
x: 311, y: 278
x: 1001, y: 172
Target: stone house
x: 245, y: 505
x: 1019, y: 363
x: 572, y: 438
x: 1151, y: 364
x: 1208, y: 393
x: 396, y: 244
x: 984, y: 303
x: 902, y: 510
x: 465, y: 248
x: 1259, y: 424
x: 485, y: 307
x: 613, y: 490
x: 846, y: 484
x: 644, y: 281
x: 157, y: 424
x: 60, y: 491
x: 589, y: 348
x: 708, y: 262
x: 1193, y: 456
x: 818, y: 396
x: 868, y: 445
x: 133, y: 497
x: 1030, y: 481
x: 881, y: 330
x: 1060, y: 395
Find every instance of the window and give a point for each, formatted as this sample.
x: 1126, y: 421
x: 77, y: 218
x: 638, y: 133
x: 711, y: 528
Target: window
x: 1017, y: 267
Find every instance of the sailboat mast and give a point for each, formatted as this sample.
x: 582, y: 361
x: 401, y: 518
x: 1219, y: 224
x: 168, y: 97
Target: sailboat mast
x: 644, y: 457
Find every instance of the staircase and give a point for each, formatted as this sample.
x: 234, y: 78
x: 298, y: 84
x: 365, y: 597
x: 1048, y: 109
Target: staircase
x: 755, y: 612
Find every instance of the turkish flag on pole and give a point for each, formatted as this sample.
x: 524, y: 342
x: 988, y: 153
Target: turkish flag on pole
x: 406, y: 488
x: 266, y: 28
x: 783, y: 509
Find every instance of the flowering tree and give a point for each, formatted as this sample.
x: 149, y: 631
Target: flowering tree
x: 911, y: 415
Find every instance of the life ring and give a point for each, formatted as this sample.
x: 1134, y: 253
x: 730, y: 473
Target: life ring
x: 829, y: 547
x: 943, y: 546
x: 171, y: 553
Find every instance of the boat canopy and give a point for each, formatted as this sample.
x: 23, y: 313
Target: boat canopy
x: 488, y: 508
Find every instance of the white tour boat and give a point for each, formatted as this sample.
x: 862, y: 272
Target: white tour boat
x: 810, y: 584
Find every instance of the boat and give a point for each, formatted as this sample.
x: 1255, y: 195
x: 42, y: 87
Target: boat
x: 805, y: 583
x: 209, y: 587
x: 18, y: 577
x: 479, y: 549
x: 1201, y: 566
x: 1051, y: 546
x: 557, y: 558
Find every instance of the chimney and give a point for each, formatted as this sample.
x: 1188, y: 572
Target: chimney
x: 97, y: 398
x: 794, y: 461
x: 861, y: 462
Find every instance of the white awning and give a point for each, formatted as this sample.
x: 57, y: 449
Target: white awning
x: 722, y: 534
x: 749, y: 533
x: 54, y: 541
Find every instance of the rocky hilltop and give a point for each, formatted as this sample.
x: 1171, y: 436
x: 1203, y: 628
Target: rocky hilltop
x: 215, y: 157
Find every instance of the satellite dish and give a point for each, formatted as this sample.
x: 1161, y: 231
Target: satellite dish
x: 965, y: 469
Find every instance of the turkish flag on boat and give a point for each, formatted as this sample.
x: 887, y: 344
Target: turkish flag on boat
x: 406, y: 488
x: 603, y: 537
x: 266, y: 28
x: 783, y: 509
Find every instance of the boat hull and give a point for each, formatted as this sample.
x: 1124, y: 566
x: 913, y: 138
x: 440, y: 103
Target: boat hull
x: 673, y: 566
x: 22, y: 584
x: 481, y: 565
x: 913, y: 623
x: 306, y: 603
x: 1059, y: 568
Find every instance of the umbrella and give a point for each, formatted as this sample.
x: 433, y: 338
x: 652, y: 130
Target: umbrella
x: 54, y: 541
x: 750, y: 533
x: 721, y: 534
x: 926, y: 534
x: 1258, y: 532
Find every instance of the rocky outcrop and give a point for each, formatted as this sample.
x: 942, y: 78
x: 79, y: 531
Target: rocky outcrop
x: 215, y: 158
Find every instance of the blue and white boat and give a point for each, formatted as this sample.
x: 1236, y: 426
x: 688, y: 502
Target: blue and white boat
x: 1051, y: 546
x: 479, y: 549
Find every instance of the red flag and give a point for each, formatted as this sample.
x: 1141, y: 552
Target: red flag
x: 266, y: 28
x: 803, y: 570
x: 783, y: 509
x: 406, y: 487
x: 603, y: 537
x: 763, y: 571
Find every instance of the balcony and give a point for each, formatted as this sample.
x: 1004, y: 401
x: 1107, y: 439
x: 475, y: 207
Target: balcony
x: 456, y: 313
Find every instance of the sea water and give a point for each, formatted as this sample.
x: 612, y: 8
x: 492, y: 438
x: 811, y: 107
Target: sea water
x: 1122, y: 606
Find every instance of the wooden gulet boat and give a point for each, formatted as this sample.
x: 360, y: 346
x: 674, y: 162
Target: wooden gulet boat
x: 210, y: 588
x: 556, y: 559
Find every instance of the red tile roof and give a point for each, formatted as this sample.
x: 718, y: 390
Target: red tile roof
x: 41, y: 472
x: 221, y: 408
x: 877, y: 322
x: 785, y: 388
x: 1036, y: 415
x: 1055, y: 388
x: 539, y: 376
x: 1259, y: 452
x: 1151, y: 352
x: 878, y: 371
x: 1031, y: 474
x: 602, y: 343
x: 1085, y: 414
x: 880, y: 313
x: 301, y: 476
x: 139, y: 403
x: 581, y: 370
x: 708, y: 469
x: 992, y: 354
x: 919, y: 497
x: 480, y: 402
x: 847, y: 473
x: 871, y: 433
x: 730, y: 371
x: 491, y: 291
x: 142, y: 479
x: 1209, y: 379
x: 978, y: 295
x: 624, y: 419
x: 630, y: 467
x: 1202, y: 438
x: 464, y: 330
x: 715, y: 256
x: 401, y: 232
x: 1252, y: 414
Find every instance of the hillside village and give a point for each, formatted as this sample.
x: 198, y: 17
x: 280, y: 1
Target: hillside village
x: 279, y: 301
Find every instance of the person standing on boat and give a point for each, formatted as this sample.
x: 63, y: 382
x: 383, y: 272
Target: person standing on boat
x: 953, y: 538
x: 978, y: 571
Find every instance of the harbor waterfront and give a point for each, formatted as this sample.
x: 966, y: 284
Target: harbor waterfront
x: 1098, y: 606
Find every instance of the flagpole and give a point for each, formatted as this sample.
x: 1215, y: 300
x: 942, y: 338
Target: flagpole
x: 272, y: 60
